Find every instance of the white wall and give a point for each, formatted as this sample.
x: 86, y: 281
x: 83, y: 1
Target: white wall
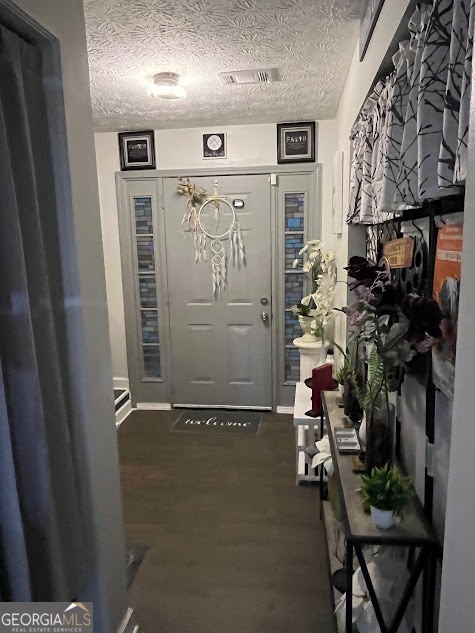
x: 326, y: 151
x: 358, y: 82
x: 247, y: 146
x: 86, y: 311
x: 108, y: 162
x: 457, y: 606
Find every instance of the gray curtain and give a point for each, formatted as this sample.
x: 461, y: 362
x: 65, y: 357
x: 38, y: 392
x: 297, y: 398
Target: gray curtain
x: 414, y: 127
x: 50, y: 527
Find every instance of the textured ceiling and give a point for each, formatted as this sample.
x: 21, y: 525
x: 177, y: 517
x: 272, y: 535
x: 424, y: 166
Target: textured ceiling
x: 311, y: 41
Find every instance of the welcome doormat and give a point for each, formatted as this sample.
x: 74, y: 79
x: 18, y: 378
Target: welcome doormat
x: 217, y: 421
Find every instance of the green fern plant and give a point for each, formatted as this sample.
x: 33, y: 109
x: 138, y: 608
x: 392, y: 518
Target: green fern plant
x: 386, y: 489
x: 374, y: 393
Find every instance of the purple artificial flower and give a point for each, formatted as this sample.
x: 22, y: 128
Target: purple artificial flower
x: 364, y: 272
x: 354, y: 319
x: 424, y: 316
x: 363, y: 293
x: 425, y: 345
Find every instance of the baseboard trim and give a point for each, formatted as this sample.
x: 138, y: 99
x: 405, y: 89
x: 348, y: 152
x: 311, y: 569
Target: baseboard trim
x: 220, y: 406
x: 121, y: 383
x: 123, y: 413
x: 153, y: 406
x: 129, y: 624
x: 286, y: 410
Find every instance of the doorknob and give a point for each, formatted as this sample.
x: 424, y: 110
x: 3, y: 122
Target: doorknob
x: 264, y: 316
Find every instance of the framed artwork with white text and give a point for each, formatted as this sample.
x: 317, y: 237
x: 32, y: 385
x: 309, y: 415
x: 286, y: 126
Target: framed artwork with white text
x: 296, y: 142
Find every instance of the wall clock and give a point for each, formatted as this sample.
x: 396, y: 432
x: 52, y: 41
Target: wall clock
x: 214, y: 145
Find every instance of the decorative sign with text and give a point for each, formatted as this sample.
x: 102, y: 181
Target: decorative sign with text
x: 446, y: 290
x: 399, y: 253
x: 218, y: 421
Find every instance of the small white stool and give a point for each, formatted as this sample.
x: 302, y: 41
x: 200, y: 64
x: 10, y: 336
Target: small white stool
x: 307, y: 432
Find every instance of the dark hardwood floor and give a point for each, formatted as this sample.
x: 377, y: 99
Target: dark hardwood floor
x: 235, y: 545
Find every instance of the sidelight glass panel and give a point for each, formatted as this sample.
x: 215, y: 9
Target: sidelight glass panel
x: 293, y: 243
x: 148, y: 291
x: 151, y: 361
x: 292, y: 364
x: 143, y: 215
x: 145, y: 254
x: 293, y: 288
x: 294, y: 211
x: 294, y: 239
x: 150, y: 326
x: 292, y: 328
x: 146, y: 279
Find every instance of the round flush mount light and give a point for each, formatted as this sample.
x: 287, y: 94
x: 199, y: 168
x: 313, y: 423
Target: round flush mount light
x: 166, y: 86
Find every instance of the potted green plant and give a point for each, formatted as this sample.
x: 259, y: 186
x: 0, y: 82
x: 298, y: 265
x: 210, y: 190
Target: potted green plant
x: 387, y: 491
x: 349, y: 379
x: 341, y: 375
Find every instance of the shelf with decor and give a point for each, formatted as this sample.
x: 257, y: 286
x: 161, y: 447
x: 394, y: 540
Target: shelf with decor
x: 413, y: 532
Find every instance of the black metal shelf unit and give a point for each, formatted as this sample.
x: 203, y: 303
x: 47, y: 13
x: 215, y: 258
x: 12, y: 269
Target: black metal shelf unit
x: 413, y: 533
x: 376, y: 237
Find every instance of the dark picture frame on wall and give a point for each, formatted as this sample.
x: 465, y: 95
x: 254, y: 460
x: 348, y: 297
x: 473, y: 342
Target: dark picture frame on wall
x: 369, y: 19
x: 137, y: 150
x: 214, y: 145
x: 296, y: 142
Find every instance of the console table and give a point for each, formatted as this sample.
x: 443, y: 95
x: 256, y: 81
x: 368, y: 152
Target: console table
x: 414, y: 532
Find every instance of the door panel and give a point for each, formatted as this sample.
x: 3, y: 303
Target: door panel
x: 220, y: 346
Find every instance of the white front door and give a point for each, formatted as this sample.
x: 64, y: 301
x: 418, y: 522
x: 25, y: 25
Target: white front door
x: 221, y: 351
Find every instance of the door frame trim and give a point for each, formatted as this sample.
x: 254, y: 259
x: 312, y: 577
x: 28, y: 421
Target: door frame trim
x: 313, y: 228
x: 106, y: 580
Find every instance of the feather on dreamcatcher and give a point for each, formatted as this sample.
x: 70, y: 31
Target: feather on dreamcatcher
x: 195, y: 196
x: 213, y: 224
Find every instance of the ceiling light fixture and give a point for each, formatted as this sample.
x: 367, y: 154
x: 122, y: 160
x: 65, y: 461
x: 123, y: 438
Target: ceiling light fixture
x: 165, y: 86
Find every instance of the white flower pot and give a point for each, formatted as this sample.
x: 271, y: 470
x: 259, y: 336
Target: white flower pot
x: 305, y: 323
x: 362, y: 432
x: 341, y: 389
x: 383, y: 519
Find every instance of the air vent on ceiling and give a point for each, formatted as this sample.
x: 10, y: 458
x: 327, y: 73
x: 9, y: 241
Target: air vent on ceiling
x: 259, y: 76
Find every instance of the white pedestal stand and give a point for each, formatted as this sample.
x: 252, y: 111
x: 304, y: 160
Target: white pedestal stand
x: 307, y: 429
x: 311, y: 355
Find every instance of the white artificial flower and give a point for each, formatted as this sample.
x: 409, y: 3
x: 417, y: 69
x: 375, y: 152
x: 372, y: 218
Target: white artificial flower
x: 319, y: 265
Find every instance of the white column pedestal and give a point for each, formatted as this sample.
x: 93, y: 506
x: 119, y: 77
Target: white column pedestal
x: 311, y: 355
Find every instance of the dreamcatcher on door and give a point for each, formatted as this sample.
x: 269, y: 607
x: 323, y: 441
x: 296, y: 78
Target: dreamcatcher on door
x: 212, y: 225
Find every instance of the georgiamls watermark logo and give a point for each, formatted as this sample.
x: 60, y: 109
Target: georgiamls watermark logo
x: 46, y: 617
